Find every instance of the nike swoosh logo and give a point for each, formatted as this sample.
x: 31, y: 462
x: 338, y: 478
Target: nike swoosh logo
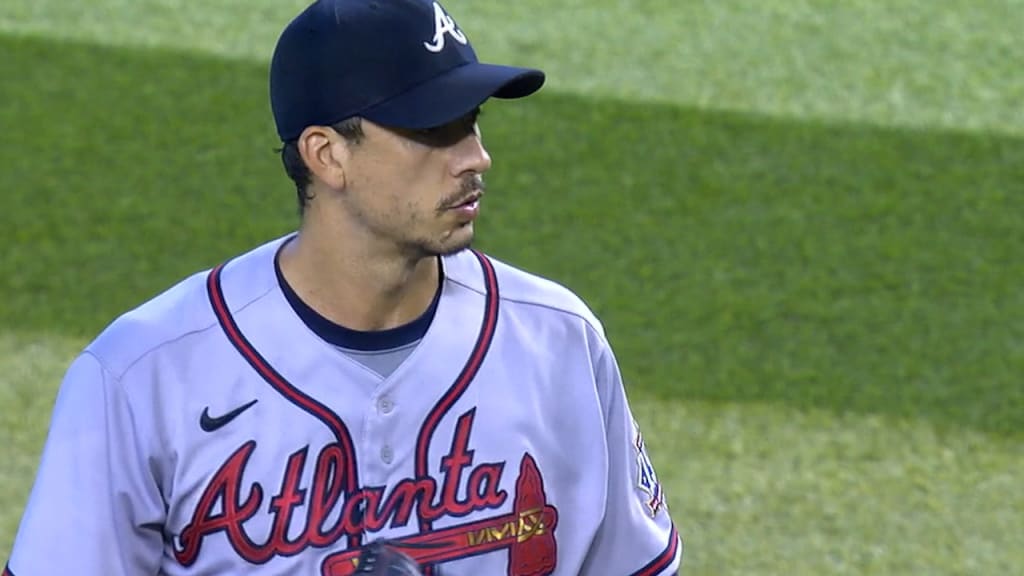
x: 210, y: 423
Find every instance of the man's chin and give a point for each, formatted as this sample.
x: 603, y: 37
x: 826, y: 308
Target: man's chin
x: 460, y: 239
x: 453, y: 244
x: 450, y: 249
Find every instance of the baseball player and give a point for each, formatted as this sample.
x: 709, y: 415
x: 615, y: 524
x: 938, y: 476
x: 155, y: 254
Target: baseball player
x: 370, y: 376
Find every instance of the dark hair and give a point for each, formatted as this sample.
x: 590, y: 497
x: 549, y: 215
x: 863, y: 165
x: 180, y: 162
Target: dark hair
x: 351, y: 129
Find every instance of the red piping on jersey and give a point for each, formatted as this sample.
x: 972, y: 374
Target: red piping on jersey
x: 472, y: 366
x: 665, y: 559
x: 282, y: 386
x: 7, y: 571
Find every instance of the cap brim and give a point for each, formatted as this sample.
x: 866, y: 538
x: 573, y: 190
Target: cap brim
x: 454, y: 94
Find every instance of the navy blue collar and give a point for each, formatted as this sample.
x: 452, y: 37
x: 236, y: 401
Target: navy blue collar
x: 368, y: 341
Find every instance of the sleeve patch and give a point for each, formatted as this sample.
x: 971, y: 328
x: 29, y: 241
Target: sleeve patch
x: 647, y: 480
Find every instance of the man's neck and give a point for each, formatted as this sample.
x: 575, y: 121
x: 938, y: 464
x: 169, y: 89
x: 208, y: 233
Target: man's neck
x: 350, y: 285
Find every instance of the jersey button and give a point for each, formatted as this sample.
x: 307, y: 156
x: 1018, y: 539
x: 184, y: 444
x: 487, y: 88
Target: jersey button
x: 386, y: 454
x: 385, y: 405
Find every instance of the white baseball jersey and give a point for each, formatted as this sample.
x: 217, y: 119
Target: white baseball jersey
x: 212, y: 431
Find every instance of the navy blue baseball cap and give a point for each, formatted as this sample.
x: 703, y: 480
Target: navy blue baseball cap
x: 398, y: 63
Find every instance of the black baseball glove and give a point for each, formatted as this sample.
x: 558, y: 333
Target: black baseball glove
x: 381, y: 559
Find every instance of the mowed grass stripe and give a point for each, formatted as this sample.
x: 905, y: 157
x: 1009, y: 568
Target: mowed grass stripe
x: 905, y: 63
x: 732, y: 257
x: 31, y: 368
x: 755, y: 489
x: 767, y: 490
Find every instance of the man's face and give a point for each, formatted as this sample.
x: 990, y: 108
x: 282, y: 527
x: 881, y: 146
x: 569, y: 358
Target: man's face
x: 418, y: 190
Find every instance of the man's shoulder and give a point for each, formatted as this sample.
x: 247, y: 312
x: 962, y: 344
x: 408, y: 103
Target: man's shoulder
x: 165, y: 317
x: 178, y: 312
x: 523, y: 288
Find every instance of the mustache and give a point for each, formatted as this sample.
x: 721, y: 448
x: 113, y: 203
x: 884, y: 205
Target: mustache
x: 468, y: 188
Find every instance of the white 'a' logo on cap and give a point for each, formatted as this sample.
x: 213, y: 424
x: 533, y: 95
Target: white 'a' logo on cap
x: 443, y: 24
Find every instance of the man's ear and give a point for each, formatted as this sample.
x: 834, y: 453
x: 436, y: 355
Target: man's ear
x: 326, y: 154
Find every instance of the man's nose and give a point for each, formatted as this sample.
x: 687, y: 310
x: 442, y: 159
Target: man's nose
x: 471, y: 155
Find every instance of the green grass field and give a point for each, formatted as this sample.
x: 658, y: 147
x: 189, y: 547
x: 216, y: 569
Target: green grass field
x: 801, y: 221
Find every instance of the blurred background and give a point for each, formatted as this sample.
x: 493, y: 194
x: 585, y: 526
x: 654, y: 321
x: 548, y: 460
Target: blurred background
x: 801, y: 221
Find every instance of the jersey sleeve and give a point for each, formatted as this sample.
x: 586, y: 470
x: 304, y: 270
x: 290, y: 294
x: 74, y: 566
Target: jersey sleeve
x: 637, y: 536
x: 94, y: 508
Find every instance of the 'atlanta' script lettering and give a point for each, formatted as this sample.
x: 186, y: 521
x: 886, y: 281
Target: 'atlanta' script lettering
x: 226, y: 506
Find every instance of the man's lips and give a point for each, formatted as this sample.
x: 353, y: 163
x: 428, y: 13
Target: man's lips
x: 470, y: 200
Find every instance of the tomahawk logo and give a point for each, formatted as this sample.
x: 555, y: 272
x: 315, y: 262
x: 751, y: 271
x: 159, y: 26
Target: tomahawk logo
x: 443, y: 24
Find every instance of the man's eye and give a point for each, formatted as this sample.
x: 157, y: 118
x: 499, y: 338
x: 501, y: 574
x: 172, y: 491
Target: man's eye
x: 440, y: 135
x: 450, y: 133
